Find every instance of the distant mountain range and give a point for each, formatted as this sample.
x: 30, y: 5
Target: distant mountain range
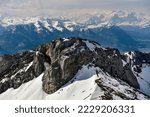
x: 122, y: 30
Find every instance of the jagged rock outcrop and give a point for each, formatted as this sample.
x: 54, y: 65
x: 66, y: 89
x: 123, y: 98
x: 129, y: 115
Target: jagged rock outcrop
x: 66, y: 57
x: 13, y: 72
x: 139, y: 64
x: 59, y: 61
x: 136, y: 60
x: 129, y: 77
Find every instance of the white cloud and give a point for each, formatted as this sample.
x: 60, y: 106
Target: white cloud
x: 40, y: 7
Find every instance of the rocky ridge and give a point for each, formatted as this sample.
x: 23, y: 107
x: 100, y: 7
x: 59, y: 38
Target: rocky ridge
x: 60, y: 60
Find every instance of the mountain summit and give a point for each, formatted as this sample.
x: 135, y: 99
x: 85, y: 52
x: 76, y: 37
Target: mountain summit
x: 72, y: 68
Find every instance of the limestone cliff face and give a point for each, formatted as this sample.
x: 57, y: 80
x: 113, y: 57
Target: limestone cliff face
x: 60, y: 60
x: 66, y: 57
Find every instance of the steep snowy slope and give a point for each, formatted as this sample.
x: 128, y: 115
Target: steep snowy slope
x: 140, y: 65
x: 82, y: 87
x: 144, y: 79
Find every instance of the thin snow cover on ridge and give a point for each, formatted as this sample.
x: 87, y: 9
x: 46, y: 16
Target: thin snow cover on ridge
x: 58, y: 25
x: 91, y: 45
x: 65, y: 39
x: 124, y: 62
x: 70, y: 25
x: 130, y: 55
x: 24, y: 69
x: 30, y: 64
x: 115, y: 89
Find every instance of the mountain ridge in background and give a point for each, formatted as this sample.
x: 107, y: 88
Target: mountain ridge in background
x: 127, y: 31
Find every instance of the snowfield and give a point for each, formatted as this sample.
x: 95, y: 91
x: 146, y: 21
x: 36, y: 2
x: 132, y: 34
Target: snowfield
x: 82, y: 87
x: 144, y: 79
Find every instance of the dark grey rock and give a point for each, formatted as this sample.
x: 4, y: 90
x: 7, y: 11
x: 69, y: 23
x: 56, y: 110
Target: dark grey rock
x: 129, y: 77
x: 59, y: 61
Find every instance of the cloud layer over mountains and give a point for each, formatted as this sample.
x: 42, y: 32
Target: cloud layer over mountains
x: 51, y: 7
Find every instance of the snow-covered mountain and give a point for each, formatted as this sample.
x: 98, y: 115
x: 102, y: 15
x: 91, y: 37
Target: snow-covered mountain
x: 74, y: 68
x: 114, y: 18
x: 88, y: 20
x: 123, y: 30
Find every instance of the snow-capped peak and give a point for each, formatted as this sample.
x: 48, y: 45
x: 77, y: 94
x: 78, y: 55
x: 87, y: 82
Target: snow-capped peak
x: 90, y: 20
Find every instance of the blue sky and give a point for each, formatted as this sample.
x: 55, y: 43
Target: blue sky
x: 50, y: 7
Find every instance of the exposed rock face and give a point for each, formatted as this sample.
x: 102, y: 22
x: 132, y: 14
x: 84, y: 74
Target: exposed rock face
x: 60, y: 60
x: 138, y: 63
x: 139, y: 59
x: 12, y: 73
x: 135, y: 60
x: 67, y: 57
x: 129, y: 77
